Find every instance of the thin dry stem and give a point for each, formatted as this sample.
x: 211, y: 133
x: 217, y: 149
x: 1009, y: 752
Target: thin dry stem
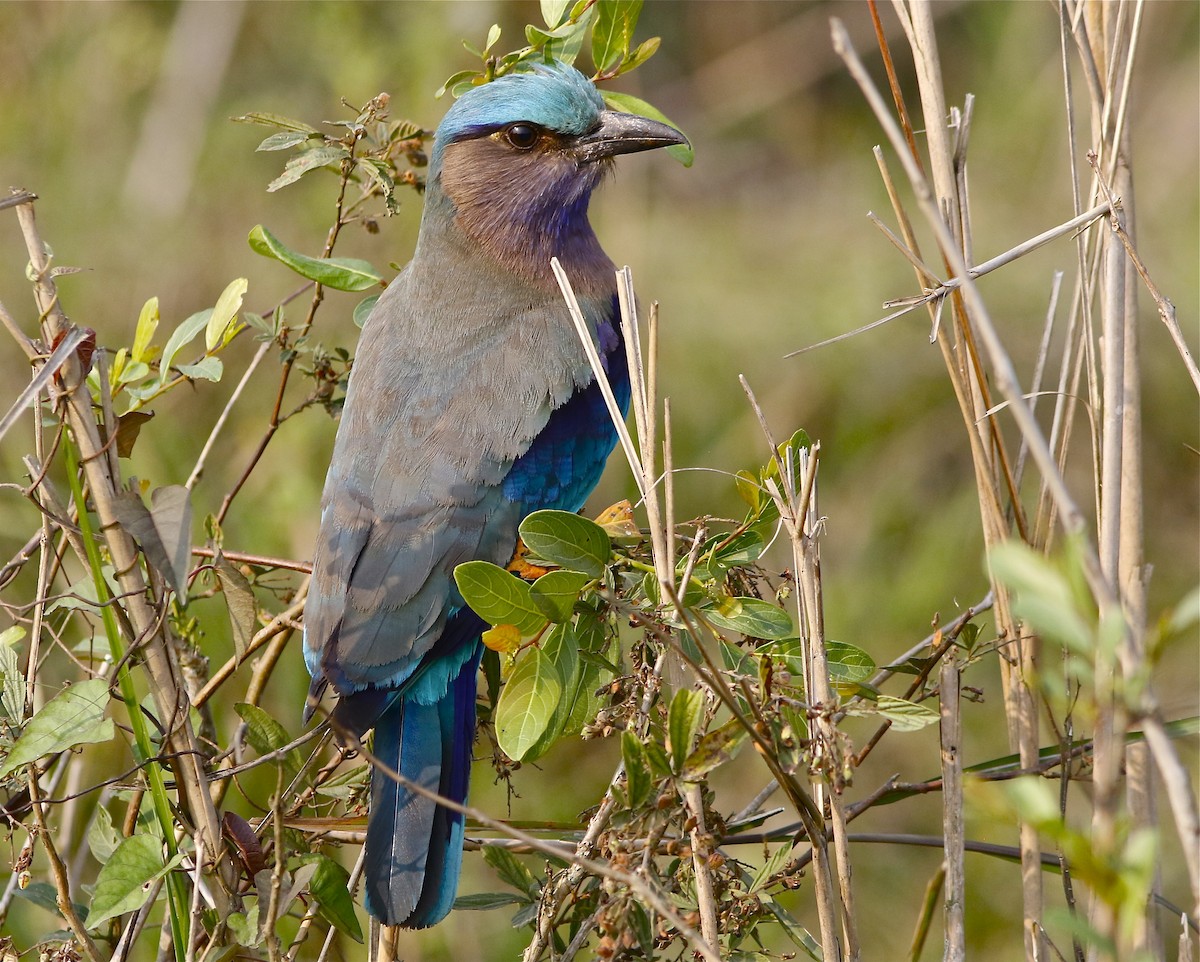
x: 952, y: 811
x: 58, y: 871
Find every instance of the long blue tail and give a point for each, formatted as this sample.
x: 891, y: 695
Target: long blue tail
x: 414, y: 847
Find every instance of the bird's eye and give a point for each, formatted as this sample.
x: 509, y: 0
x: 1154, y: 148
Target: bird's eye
x: 522, y: 136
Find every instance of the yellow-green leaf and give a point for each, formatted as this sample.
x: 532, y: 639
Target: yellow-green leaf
x: 146, y: 326
x: 227, y: 306
x: 527, y: 703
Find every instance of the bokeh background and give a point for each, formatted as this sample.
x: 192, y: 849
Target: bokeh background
x: 117, y: 115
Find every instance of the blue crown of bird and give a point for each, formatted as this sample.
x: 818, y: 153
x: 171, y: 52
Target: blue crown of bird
x: 470, y: 404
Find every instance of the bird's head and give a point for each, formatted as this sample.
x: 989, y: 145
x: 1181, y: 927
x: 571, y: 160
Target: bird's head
x: 515, y: 161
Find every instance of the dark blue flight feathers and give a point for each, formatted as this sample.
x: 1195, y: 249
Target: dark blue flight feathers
x: 471, y: 404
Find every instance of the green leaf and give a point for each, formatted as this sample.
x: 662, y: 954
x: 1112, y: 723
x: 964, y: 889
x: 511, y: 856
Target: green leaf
x: 561, y: 649
x: 744, y: 549
x: 381, y: 174
x: 284, y: 140
x: 553, y: 11
x: 275, y: 120
x: 498, y: 597
x: 645, y: 50
x: 144, y: 333
x: 102, y: 838
x: 455, y: 81
x: 330, y: 887
x: 1185, y: 615
x: 82, y: 594
x: 44, y: 896
x: 794, y: 930
x: 266, y: 735
x: 613, y: 31
x: 753, y: 617
x: 642, y: 926
x: 340, y: 273
x: 693, y: 592
x: 1043, y: 596
x: 567, y: 540
x: 660, y: 765
x: 593, y: 640
x: 848, y: 664
x: 556, y: 592
x: 245, y: 927
x: 775, y: 864
x: 482, y: 901
x: 12, y: 688
x: 126, y: 880
x: 224, y: 312
x: 628, y: 104
x: 205, y: 369
x: 715, y: 749
x: 131, y: 372
x: 493, y: 38
x: 789, y: 652
x: 510, y: 870
x: 749, y: 489
x: 638, y: 780
x: 527, y: 703
x: 75, y: 716
x: 683, y: 721
x: 737, y: 661
x: 180, y: 338
x: 312, y: 159
x: 905, y: 716
x: 362, y: 310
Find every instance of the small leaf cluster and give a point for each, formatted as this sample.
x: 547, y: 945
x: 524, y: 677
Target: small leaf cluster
x: 376, y: 154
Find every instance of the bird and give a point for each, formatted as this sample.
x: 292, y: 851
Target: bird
x: 470, y: 404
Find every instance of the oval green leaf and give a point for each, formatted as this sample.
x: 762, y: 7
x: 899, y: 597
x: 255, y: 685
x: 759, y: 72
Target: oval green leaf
x: 329, y: 886
x: 847, y: 663
x: 567, y: 540
x: 180, y: 338
x: 753, y: 617
x: 123, y: 884
x: 527, y: 703
x: 266, y: 735
x: 75, y: 716
x: 555, y: 593
x: 312, y: 159
x: 340, y: 273
x: 363, y: 309
x: 561, y: 648
x: 905, y: 716
x: 498, y: 597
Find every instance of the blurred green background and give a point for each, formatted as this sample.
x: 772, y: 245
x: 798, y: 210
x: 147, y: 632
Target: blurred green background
x: 117, y: 115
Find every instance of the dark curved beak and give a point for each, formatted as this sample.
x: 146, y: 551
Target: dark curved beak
x: 620, y: 133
